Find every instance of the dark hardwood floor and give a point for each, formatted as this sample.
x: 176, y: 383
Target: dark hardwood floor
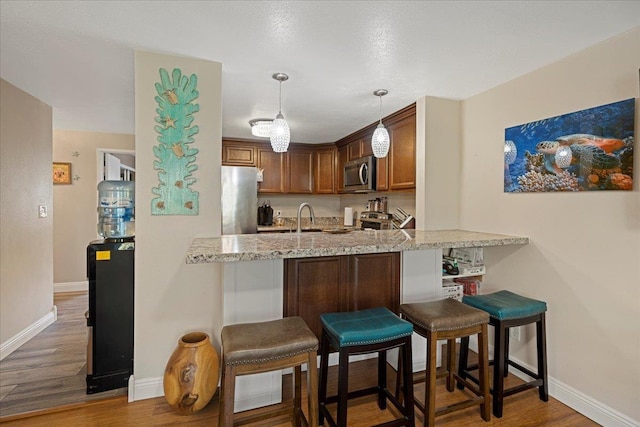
x: 50, y: 369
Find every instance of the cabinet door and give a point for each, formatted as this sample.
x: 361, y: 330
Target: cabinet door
x: 314, y: 286
x: 343, y: 157
x: 355, y: 150
x: 238, y: 155
x: 382, y: 174
x: 374, y: 281
x: 365, y: 146
x: 300, y: 171
x: 274, y: 167
x: 325, y: 172
x: 402, y: 154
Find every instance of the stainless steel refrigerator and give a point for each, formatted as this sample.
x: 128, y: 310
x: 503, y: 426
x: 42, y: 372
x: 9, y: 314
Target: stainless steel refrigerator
x: 239, y: 200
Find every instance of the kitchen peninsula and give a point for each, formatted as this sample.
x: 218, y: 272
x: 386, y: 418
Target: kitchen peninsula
x: 268, y: 276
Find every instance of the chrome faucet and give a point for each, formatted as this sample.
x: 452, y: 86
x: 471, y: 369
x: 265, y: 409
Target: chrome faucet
x: 313, y: 217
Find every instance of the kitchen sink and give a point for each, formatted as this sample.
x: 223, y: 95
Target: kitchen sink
x: 304, y: 230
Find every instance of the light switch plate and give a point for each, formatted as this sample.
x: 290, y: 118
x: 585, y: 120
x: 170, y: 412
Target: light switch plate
x: 42, y: 211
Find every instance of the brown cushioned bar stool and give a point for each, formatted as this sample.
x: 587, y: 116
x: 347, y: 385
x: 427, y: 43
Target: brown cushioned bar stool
x: 361, y: 332
x: 508, y: 310
x: 252, y: 348
x: 449, y: 319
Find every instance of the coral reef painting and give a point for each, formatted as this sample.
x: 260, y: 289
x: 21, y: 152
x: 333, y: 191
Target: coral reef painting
x: 586, y: 150
x: 175, y: 157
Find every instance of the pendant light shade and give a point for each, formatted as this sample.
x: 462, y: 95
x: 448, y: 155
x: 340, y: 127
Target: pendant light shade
x: 280, y: 134
x: 380, y: 140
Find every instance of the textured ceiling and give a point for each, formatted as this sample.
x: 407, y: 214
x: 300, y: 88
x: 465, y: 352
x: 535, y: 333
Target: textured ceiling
x: 79, y: 56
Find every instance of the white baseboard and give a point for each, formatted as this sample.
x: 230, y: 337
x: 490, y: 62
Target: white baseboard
x: 70, y: 287
x: 146, y: 388
x: 13, y: 343
x: 575, y: 399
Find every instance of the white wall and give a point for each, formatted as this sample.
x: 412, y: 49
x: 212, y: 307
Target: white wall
x: 26, y: 241
x: 76, y: 219
x: 584, y: 255
x: 171, y: 297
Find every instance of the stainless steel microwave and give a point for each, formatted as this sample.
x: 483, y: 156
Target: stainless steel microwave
x: 360, y: 175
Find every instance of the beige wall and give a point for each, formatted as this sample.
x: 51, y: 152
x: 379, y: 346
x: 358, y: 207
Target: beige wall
x: 171, y: 297
x: 26, y: 241
x: 74, y: 224
x: 583, y: 259
x: 438, y: 147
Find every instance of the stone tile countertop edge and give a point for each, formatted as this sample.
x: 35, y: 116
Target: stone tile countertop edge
x: 263, y: 246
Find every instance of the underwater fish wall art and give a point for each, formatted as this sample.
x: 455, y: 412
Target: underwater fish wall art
x: 587, y: 150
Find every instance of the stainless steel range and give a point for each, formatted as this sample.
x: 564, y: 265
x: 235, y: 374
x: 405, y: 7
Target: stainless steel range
x: 375, y: 220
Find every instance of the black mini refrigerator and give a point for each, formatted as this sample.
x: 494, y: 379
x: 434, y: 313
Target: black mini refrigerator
x: 110, y: 316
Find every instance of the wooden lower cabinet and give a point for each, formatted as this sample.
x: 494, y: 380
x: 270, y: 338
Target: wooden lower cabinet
x: 313, y: 286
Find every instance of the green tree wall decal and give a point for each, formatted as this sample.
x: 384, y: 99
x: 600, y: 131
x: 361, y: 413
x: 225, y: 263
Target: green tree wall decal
x: 175, y: 157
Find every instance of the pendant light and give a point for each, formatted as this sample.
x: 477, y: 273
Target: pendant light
x: 280, y: 134
x: 261, y: 127
x: 380, y: 140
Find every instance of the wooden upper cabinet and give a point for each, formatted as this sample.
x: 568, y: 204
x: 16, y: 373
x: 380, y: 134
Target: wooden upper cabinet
x: 365, y: 146
x: 273, y: 164
x: 343, y: 157
x: 396, y: 171
x: 355, y: 150
x: 382, y: 174
x: 402, y: 154
x: 238, y: 154
x: 324, y: 181
x: 300, y: 171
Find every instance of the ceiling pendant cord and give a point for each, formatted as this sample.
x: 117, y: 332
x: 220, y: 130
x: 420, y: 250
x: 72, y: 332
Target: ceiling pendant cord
x: 280, y: 134
x: 380, y: 140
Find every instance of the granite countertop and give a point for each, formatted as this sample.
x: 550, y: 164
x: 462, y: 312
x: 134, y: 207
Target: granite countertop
x: 248, y: 247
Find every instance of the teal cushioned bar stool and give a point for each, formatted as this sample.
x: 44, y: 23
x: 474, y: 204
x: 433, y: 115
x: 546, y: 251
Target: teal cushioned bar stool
x: 361, y: 332
x: 506, y: 310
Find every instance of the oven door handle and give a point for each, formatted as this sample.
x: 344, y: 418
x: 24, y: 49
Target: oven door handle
x: 363, y: 174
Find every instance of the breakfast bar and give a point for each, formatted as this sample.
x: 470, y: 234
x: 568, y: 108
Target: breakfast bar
x: 260, y: 275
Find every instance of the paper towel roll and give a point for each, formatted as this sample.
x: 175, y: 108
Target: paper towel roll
x: 348, y: 216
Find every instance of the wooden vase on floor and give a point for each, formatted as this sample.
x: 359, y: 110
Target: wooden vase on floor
x: 192, y: 373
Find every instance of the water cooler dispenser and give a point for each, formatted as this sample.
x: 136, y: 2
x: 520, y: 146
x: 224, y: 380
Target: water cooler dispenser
x: 110, y: 270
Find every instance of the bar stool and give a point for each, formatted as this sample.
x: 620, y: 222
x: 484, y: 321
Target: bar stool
x: 508, y: 310
x: 362, y: 332
x: 449, y: 319
x: 252, y: 348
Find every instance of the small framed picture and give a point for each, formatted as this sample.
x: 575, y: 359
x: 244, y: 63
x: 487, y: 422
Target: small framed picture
x: 61, y: 173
